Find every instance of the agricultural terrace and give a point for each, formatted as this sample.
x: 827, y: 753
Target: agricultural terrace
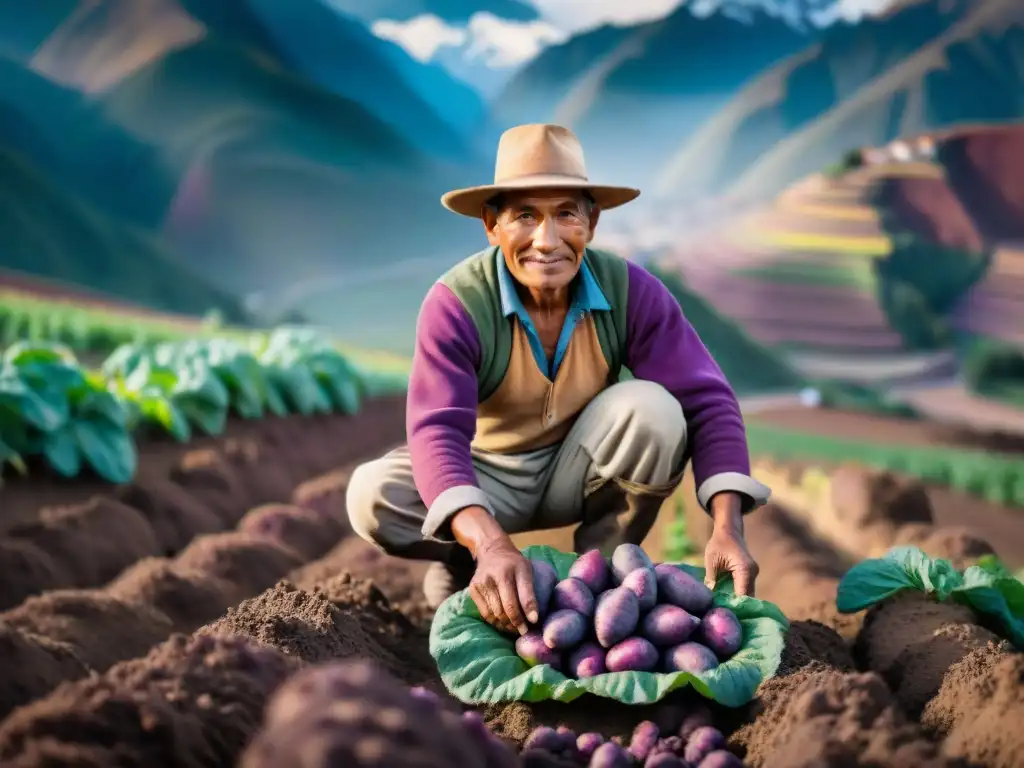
x: 800, y: 275
x: 176, y: 550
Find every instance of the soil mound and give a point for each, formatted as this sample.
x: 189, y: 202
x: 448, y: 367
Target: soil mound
x: 348, y: 618
x: 27, y: 571
x: 401, y: 581
x: 100, y: 628
x: 912, y: 641
x: 351, y: 715
x: 93, y: 541
x: 175, y: 514
x: 303, y: 530
x: 211, y: 479
x: 248, y: 563
x: 32, y: 666
x: 189, y: 598
x: 980, y: 707
x: 191, y: 702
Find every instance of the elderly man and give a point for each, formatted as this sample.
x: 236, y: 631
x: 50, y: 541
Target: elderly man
x: 517, y: 419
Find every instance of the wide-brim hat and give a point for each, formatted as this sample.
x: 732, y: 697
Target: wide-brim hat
x: 537, y: 156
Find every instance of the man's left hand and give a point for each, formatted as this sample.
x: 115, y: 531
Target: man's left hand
x: 726, y: 552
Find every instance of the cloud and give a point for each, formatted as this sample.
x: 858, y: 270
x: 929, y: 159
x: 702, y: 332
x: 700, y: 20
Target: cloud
x: 579, y: 15
x: 500, y: 43
x: 494, y: 42
x: 422, y: 36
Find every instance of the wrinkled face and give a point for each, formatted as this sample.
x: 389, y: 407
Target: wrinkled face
x: 542, y: 234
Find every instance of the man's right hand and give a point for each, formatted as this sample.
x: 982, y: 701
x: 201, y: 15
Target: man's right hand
x: 502, y: 587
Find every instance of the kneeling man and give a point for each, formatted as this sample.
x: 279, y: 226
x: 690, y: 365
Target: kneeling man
x: 516, y: 416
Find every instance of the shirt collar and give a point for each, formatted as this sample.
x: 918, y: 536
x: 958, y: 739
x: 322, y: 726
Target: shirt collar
x: 587, y: 297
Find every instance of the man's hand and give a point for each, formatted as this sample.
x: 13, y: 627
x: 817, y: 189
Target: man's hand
x: 502, y: 586
x: 726, y: 552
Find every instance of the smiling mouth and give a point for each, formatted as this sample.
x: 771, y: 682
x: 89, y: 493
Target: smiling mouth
x: 543, y: 262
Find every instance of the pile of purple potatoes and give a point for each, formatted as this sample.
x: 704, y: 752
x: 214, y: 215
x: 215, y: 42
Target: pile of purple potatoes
x: 697, y: 744
x: 626, y: 615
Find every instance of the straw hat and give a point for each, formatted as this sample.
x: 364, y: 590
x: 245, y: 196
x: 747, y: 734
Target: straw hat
x: 536, y: 156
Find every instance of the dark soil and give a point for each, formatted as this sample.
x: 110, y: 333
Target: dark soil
x: 980, y: 707
x: 912, y: 641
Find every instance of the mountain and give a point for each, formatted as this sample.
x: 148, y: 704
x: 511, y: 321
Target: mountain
x: 103, y: 42
x: 52, y: 234
x: 634, y: 93
x: 72, y: 141
x: 922, y: 66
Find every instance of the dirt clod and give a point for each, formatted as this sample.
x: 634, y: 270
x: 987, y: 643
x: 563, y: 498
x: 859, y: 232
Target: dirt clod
x: 980, y: 707
x: 248, y: 563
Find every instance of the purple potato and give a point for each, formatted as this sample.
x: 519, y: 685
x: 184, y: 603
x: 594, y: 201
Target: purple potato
x: 677, y: 587
x: 587, y: 661
x: 544, y: 579
x: 587, y: 743
x: 645, y: 736
x: 665, y: 760
x: 698, y: 718
x: 532, y: 649
x: 672, y: 745
x: 643, y: 582
x: 573, y: 594
x: 543, y: 737
x: 668, y: 624
x: 592, y: 569
x: 616, y: 617
x: 610, y: 755
x: 722, y: 632
x: 701, y: 743
x: 564, y: 629
x: 720, y: 758
x: 635, y: 654
x: 425, y: 695
x: 690, y: 657
x: 627, y: 558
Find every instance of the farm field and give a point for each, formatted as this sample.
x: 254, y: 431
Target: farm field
x: 150, y: 622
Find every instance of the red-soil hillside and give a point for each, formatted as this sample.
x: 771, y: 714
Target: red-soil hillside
x: 172, y: 660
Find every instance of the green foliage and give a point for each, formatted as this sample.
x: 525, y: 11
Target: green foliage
x: 996, y: 370
x: 749, y: 366
x: 54, y: 408
x: 920, y: 282
x: 999, y: 478
x: 852, y: 396
x: 679, y: 547
x: 851, y: 159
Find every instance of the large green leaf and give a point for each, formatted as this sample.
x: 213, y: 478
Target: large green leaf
x: 988, y: 590
x: 201, y: 397
x: 109, y: 450
x: 18, y: 397
x: 479, y: 665
x: 157, y: 408
x: 23, y: 353
x: 242, y: 375
x: 61, y: 451
x: 337, y: 378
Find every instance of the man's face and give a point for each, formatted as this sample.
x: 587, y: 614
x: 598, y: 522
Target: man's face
x: 542, y: 234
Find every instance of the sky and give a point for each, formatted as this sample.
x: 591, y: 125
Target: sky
x: 504, y: 43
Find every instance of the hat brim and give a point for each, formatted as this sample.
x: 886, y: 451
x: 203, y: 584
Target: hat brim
x: 470, y: 201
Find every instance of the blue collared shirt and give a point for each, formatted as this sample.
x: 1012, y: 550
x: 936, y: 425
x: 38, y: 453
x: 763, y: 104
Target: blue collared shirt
x: 587, y: 297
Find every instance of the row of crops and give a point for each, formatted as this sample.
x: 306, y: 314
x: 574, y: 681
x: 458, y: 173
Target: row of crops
x: 998, y: 478
x: 74, y: 417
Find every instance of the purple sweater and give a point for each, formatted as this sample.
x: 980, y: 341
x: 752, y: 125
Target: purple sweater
x: 662, y: 347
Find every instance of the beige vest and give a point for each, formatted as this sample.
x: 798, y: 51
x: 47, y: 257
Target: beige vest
x: 529, y: 411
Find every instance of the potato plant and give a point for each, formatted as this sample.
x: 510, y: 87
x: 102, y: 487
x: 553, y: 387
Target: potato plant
x: 73, y: 417
x: 626, y: 614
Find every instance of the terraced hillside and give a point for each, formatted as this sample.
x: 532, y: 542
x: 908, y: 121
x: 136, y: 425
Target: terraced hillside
x: 801, y: 275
